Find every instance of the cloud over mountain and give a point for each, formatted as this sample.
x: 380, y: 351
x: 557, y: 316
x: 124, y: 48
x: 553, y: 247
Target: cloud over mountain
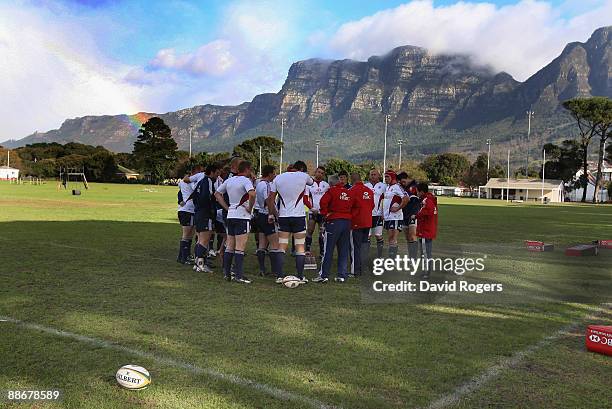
x: 519, y: 38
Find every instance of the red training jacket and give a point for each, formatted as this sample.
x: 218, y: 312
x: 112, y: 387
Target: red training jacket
x: 427, y: 217
x: 363, y: 197
x: 336, y: 203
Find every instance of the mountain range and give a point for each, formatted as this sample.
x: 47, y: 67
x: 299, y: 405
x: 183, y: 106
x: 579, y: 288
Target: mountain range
x: 434, y: 102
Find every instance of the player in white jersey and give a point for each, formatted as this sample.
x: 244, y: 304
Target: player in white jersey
x: 241, y: 195
x: 289, y: 188
x: 316, y: 192
x: 395, y: 200
x: 377, y: 213
x: 186, y: 211
x: 268, y: 236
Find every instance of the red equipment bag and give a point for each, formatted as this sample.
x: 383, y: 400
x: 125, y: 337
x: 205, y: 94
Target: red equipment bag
x: 599, y: 339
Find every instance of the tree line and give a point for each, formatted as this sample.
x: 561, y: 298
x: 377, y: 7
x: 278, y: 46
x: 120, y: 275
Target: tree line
x: 157, y: 157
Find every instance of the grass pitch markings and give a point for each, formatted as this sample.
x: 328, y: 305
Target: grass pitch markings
x: 494, y: 371
x: 236, y: 380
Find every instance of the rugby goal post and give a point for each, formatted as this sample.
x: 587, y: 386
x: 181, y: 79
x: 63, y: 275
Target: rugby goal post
x: 74, y: 175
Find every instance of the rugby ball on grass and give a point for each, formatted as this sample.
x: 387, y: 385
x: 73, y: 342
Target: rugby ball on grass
x: 133, y: 377
x: 291, y: 281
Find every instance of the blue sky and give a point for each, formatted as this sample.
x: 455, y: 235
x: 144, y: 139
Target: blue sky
x: 68, y: 58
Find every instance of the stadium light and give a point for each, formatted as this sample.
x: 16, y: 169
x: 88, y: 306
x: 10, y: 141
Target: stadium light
x: 399, y: 164
x: 488, y: 156
x: 280, y: 165
x: 508, y: 179
x: 529, y: 116
x: 260, y: 161
x: 385, y: 146
x: 543, y: 167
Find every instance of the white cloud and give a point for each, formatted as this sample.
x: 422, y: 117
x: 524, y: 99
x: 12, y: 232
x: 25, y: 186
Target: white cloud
x: 250, y: 55
x: 519, y: 39
x: 46, y: 76
x: 214, y: 58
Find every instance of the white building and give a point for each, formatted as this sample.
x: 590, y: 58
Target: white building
x: 548, y: 190
x: 606, y: 176
x: 7, y: 173
x: 449, y: 190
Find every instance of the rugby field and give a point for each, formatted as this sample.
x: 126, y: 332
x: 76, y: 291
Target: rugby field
x: 90, y: 283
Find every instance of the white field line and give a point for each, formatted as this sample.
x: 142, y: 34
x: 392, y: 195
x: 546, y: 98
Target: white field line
x: 494, y: 371
x: 213, y: 373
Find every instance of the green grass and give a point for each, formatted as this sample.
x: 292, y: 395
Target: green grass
x: 102, y: 265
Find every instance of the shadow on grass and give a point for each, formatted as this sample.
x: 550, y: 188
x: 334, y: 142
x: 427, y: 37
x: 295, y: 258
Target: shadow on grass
x: 118, y: 281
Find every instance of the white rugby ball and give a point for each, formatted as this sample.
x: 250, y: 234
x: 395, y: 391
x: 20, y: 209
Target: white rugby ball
x: 291, y: 281
x: 133, y: 377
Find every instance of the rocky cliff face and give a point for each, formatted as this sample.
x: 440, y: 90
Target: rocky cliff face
x: 413, y: 86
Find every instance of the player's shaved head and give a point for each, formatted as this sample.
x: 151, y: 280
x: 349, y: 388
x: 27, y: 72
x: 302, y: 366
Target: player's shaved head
x: 244, y: 166
x: 300, y: 166
x: 267, y: 170
x: 355, y: 177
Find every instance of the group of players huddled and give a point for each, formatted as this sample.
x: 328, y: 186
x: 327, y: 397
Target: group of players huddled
x: 230, y: 202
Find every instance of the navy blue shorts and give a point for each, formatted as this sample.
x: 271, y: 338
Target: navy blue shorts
x: 237, y: 227
x: 292, y: 224
x: 254, y: 226
x: 219, y: 227
x: 377, y: 221
x: 185, y: 219
x: 410, y: 222
x: 394, y: 225
x: 203, y: 223
x: 263, y: 226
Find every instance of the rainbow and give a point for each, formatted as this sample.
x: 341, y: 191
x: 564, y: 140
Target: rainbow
x: 135, y: 121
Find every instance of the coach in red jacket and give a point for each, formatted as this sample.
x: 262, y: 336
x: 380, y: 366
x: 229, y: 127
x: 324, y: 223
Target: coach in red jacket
x: 336, y: 207
x: 427, y: 223
x: 361, y: 222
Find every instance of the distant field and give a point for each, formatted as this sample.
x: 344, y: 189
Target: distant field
x: 102, y: 265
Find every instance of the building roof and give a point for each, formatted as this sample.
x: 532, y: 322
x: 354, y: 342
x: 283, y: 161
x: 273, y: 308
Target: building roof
x: 497, y: 183
x: 7, y: 167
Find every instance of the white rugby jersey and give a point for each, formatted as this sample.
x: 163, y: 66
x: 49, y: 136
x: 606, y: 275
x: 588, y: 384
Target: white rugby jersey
x: 237, y: 188
x: 290, y: 188
x: 262, y: 191
x: 316, y: 192
x: 186, y: 191
x: 379, y: 195
x: 393, y: 194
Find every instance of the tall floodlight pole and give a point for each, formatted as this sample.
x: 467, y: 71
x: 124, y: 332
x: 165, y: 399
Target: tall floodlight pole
x: 508, y: 188
x: 399, y: 162
x: 543, y: 167
x: 280, y: 166
x: 190, y: 142
x: 529, y: 116
x: 259, y: 160
x: 385, y: 146
x: 488, y: 156
x: 317, y: 142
